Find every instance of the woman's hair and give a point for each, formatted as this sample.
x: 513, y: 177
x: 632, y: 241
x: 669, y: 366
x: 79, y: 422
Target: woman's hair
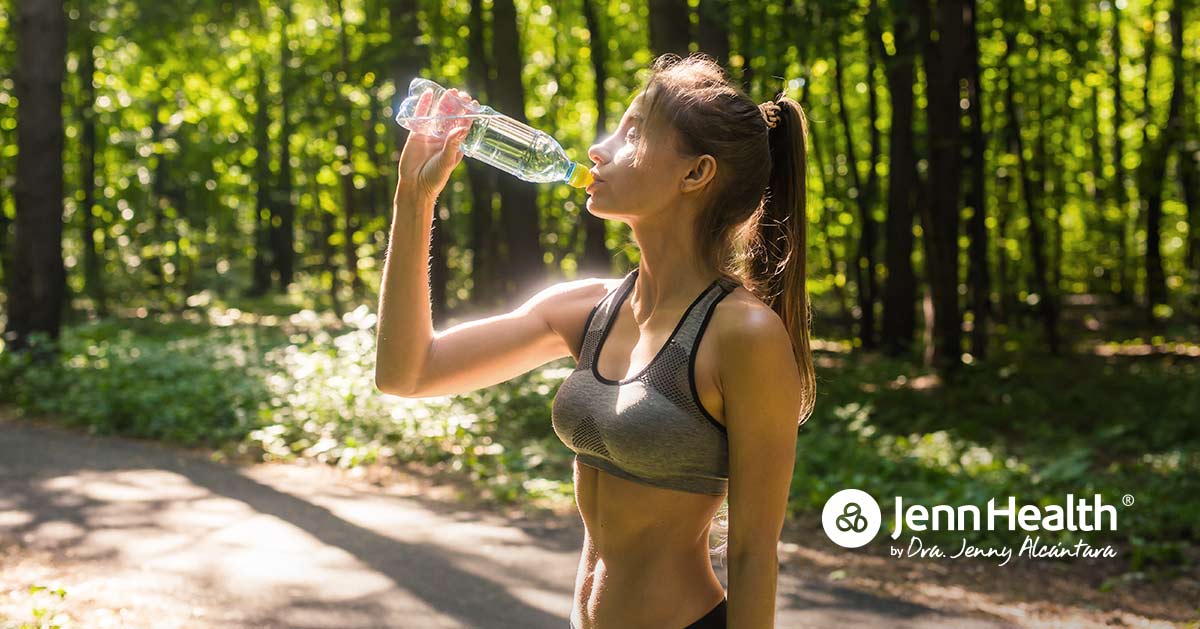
x: 752, y: 226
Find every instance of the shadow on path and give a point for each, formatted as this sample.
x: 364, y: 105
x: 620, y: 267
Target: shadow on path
x: 285, y: 546
x: 32, y: 455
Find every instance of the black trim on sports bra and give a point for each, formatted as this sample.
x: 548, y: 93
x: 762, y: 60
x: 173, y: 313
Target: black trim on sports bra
x: 692, y: 362
x: 612, y: 319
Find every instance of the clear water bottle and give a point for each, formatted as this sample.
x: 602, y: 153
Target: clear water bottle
x: 495, y: 139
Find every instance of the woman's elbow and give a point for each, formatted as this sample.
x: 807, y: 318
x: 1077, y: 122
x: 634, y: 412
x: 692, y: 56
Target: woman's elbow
x: 390, y: 385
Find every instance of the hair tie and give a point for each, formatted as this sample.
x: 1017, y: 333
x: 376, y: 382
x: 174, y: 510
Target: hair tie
x: 770, y: 113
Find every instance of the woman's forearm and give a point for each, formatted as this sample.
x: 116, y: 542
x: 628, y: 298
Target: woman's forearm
x: 405, y: 326
x: 752, y: 584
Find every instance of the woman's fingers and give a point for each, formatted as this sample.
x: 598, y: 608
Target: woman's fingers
x: 424, y: 103
x: 448, y: 103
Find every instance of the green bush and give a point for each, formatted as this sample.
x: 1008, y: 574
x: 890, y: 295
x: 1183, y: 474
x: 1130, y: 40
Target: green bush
x: 324, y: 405
x: 1024, y: 425
x: 1036, y: 429
x: 195, y: 390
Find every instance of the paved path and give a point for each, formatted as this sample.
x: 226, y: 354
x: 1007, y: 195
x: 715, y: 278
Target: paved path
x: 141, y: 534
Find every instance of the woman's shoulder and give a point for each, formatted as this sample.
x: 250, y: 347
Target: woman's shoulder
x: 565, y: 305
x: 741, y: 306
x: 568, y: 292
x: 742, y: 322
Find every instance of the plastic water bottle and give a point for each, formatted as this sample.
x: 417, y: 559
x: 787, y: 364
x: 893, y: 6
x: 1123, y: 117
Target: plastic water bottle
x: 495, y: 139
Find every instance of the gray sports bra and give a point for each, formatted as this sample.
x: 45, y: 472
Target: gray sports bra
x: 650, y: 428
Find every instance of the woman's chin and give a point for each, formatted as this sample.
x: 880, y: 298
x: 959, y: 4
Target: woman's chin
x: 594, y: 208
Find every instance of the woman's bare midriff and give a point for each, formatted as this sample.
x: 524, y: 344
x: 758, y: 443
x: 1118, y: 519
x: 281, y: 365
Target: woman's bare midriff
x: 645, y: 561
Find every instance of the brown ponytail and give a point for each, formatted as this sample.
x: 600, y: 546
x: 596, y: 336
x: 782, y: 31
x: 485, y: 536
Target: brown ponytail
x: 779, y: 240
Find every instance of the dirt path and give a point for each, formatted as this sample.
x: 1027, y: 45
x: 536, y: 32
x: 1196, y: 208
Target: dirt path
x: 144, y: 535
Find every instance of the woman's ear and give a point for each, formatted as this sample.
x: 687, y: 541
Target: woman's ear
x: 703, y: 170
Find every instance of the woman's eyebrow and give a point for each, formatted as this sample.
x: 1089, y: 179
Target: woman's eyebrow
x: 630, y: 119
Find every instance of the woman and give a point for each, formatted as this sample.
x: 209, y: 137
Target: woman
x: 694, y: 370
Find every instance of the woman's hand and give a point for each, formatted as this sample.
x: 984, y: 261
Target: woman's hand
x: 427, y: 161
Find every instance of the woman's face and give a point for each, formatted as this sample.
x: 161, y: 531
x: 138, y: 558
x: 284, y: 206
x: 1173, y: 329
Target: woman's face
x: 623, y: 188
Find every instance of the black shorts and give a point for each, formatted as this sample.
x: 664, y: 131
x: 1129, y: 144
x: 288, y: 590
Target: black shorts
x: 714, y: 619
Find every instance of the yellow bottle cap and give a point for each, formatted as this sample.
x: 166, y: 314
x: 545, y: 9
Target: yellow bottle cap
x: 581, y: 177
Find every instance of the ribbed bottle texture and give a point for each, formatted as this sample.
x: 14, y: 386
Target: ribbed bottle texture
x: 495, y: 139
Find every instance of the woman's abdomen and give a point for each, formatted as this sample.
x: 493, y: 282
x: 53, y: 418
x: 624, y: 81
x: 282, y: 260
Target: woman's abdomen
x: 643, y: 561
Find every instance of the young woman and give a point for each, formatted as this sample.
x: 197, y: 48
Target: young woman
x: 694, y: 369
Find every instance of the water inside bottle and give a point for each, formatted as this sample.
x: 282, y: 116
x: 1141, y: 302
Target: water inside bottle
x: 499, y: 141
x: 493, y: 138
x: 514, y: 147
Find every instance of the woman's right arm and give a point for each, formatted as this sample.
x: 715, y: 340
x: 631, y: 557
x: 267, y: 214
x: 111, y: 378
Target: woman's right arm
x: 412, y: 360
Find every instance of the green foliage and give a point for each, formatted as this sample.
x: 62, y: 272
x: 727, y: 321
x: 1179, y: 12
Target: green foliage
x: 1023, y: 425
x: 324, y: 405
x: 1036, y: 429
x: 187, y: 390
x: 309, y: 394
x: 176, y: 103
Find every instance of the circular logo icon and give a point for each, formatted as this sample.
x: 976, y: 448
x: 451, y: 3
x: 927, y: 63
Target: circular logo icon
x: 851, y: 518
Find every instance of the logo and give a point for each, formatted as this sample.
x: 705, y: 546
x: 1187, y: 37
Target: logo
x: 851, y: 518
x: 1077, y: 514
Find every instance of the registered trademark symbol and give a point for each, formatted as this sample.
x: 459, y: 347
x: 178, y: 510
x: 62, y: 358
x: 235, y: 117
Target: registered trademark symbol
x: 1127, y: 499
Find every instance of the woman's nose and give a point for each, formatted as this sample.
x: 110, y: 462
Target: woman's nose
x: 595, y: 152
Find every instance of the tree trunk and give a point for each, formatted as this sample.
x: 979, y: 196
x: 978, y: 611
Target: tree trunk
x: 261, y: 282
x: 378, y: 182
x: 439, y: 272
x: 5, y: 222
x: 941, y: 219
x: 1047, y: 305
x: 745, y: 48
x: 1059, y: 168
x: 345, y: 140
x: 1155, y: 166
x: 410, y: 60
x: 976, y: 198
x: 1119, y: 194
x: 518, y: 199
x: 839, y: 291
x: 864, y: 262
x: 93, y: 279
x: 1098, y: 201
x: 486, y: 262
x: 442, y: 234
x: 412, y: 55
x: 328, y: 251
x: 158, y: 201
x: 1006, y: 304
x: 596, y: 258
x: 669, y: 25
x: 283, y: 229
x: 1188, y: 164
x: 713, y: 32
x: 900, y: 289
x: 37, y: 279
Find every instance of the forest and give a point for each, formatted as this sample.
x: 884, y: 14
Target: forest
x: 1003, y: 219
